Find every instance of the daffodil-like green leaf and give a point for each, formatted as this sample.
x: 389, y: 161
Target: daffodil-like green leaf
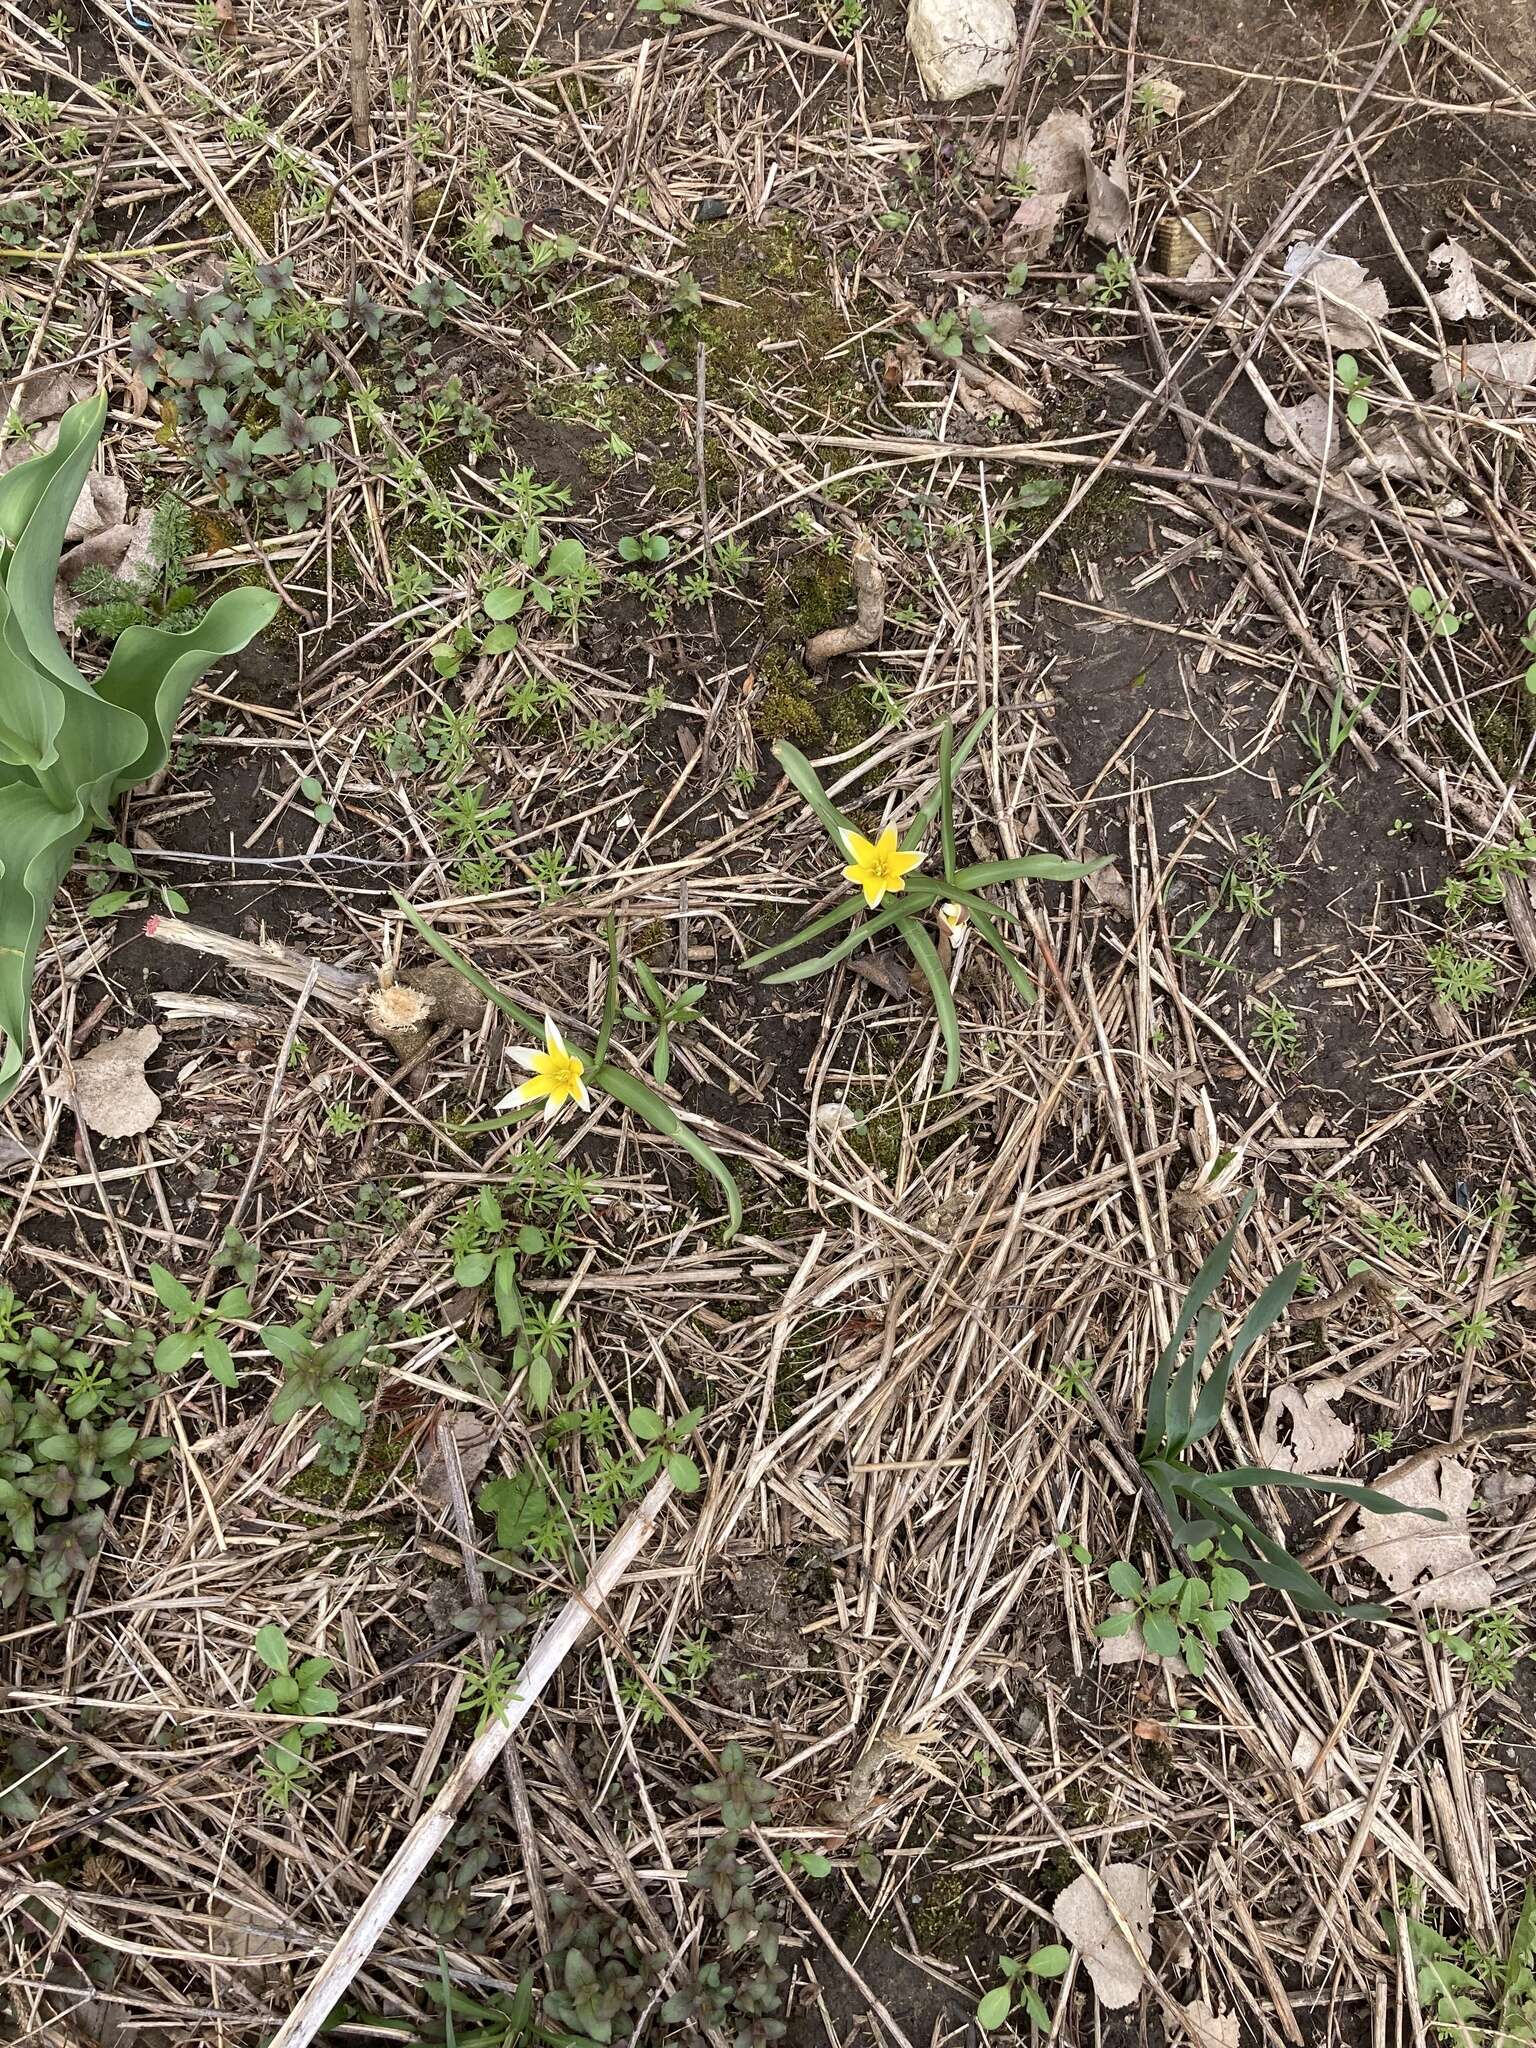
x: 69, y: 748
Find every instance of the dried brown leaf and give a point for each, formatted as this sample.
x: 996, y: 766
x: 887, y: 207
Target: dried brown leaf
x: 1085, y: 1919
x: 1300, y: 1431
x: 1208, y: 2029
x: 1461, y: 296
x: 1432, y: 1564
x: 1342, y: 299
x: 110, y: 1094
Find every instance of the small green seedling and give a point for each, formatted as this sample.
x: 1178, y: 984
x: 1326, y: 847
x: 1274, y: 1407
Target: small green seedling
x: 292, y: 1689
x: 1473, y: 1994
x: 666, y: 1013
x: 1461, y: 979
x: 1354, y: 383
x: 1528, y: 642
x: 200, y: 1336
x: 664, y: 1439
x: 316, y: 1374
x: 1114, y: 275
x: 948, y: 334
x: 1435, y: 611
x: 1423, y: 24
x: 313, y: 792
x: 644, y: 547
x: 110, y: 858
x: 1017, y: 1994
x: 1183, y: 1615
x: 1489, y: 1644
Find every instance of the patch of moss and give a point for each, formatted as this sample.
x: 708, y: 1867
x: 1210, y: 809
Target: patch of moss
x: 784, y: 714
x: 796, y: 706
x: 769, y: 325
x: 380, y: 1455
x: 258, y: 205
x: 941, y: 1919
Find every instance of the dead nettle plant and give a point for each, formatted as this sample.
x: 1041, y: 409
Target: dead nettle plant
x: 1183, y: 1410
x: 889, y: 865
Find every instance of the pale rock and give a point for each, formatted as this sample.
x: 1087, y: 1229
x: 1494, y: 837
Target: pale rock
x: 962, y: 46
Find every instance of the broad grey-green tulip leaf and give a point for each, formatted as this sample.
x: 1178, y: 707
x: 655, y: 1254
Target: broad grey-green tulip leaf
x: 68, y: 748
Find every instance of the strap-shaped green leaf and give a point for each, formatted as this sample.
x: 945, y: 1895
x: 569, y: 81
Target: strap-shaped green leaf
x: 67, y: 750
x: 926, y: 955
x: 1346, y: 1489
x: 1044, y: 867
x: 37, y: 844
x: 808, y: 782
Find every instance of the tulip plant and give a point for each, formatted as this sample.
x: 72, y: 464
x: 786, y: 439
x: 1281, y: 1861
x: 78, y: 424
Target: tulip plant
x: 69, y: 748
x: 889, y: 866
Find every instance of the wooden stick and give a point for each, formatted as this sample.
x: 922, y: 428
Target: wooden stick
x: 357, y: 68
x: 361, y: 1936
x: 283, y: 965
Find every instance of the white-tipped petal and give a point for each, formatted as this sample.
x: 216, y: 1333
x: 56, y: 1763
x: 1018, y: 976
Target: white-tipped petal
x: 527, y: 1057
x: 551, y: 1109
x: 526, y: 1091
x: 582, y: 1096
x: 553, y: 1042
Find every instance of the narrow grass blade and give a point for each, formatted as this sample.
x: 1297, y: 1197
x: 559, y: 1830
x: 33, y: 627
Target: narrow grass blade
x: 813, y: 930
x: 1017, y: 972
x: 1206, y: 1281
x: 648, y: 1106
x: 1181, y: 1398
x: 610, y: 997
x: 612, y: 1080
x: 927, y: 809
x: 947, y: 797
x: 1043, y: 867
x: 808, y: 782
x: 529, y: 1023
x: 1272, y: 1564
x: 925, y: 953
x: 1266, y: 1311
x: 880, y: 921
x: 1346, y: 1489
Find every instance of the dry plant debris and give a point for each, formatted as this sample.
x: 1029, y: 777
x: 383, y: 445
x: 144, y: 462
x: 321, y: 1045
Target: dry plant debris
x: 108, y: 1091
x: 1431, y: 1564
x: 614, y: 397
x: 1092, y: 1923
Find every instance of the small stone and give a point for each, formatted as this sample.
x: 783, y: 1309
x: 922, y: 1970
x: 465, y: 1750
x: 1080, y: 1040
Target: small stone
x: 962, y: 46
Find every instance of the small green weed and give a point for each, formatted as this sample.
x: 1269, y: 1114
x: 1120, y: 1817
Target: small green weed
x: 1017, y: 1994
x: 1472, y: 1995
x: 1184, y: 1614
x: 317, y: 1373
x: 1490, y: 1645
x: 1460, y: 978
x: 1434, y: 612
x: 664, y: 1013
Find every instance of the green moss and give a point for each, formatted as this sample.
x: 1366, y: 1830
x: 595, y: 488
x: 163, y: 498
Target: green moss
x: 765, y: 288
x: 785, y: 714
x: 381, y: 1454
x: 258, y: 205
x: 941, y: 1920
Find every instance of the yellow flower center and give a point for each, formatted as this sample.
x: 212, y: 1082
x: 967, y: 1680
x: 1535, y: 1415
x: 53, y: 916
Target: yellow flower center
x: 562, y: 1070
